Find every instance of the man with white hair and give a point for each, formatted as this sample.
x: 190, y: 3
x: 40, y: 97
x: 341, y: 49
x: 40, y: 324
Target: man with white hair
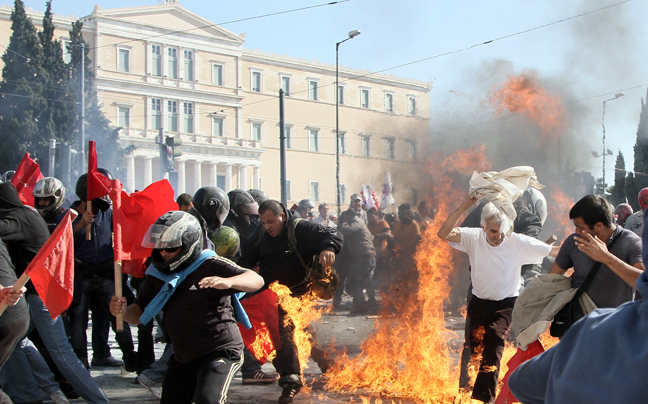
x: 495, y: 261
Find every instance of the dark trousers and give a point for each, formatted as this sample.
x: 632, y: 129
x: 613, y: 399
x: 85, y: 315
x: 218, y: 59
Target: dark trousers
x: 359, y: 278
x: 203, y: 381
x: 494, y: 317
x: 10, y: 335
x: 99, y: 291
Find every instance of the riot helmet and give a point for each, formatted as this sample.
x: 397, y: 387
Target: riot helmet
x: 212, y: 204
x: 104, y: 202
x: 242, y: 203
x: 258, y: 195
x: 49, y: 188
x: 304, y: 207
x: 8, y: 176
x: 174, y: 230
x: 622, y: 212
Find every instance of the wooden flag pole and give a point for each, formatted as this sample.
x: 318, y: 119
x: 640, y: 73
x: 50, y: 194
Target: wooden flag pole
x: 119, y: 326
x: 89, y: 225
x: 18, y: 285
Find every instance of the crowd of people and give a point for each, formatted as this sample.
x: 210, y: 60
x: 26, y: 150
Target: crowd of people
x: 219, y: 249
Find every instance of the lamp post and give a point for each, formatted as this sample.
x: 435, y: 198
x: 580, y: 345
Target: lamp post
x: 352, y: 34
x: 605, y: 151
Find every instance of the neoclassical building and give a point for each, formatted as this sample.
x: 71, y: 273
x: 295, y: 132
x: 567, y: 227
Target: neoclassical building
x: 163, y: 66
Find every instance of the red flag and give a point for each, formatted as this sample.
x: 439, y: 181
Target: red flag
x: 52, y: 269
x: 98, y: 184
x: 263, y: 337
x: 27, y: 175
x: 535, y: 348
x: 134, y: 213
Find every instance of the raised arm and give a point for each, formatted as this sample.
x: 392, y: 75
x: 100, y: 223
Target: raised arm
x: 449, y: 230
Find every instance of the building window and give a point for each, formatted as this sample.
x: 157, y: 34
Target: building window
x: 314, y: 190
x: 342, y: 142
x: 256, y: 132
x: 343, y: 192
x: 123, y: 60
x: 313, y: 140
x: 288, y: 189
x: 172, y: 116
x: 390, y: 153
x: 411, y: 105
x: 287, y: 137
x: 172, y: 60
x: 312, y: 90
x: 220, y: 181
x: 188, y: 117
x: 218, y: 129
x: 256, y: 82
x: 341, y: 94
x: 364, y: 98
x: 285, y: 85
x: 156, y: 60
x: 412, y: 149
x: 156, y: 113
x: 217, y: 74
x: 365, y: 147
x: 389, y: 102
x: 123, y: 117
x: 188, y: 65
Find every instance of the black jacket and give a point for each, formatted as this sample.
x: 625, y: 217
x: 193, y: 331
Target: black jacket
x: 275, y: 260
x: 22, y: 229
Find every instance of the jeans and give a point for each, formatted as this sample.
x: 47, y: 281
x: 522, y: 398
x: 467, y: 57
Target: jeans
x: 101, y: 291
x: 10, y: 335
x: 158, y: 369
x: 55, y: 339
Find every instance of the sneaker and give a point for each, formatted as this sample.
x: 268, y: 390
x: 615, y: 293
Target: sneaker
x: 59, y: 398
x: 259, y: 378
x: 288, y: 394
x: 152, y: 386
x: 108, y: 362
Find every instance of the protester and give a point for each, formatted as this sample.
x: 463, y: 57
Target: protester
x: 323, y: 217
x: 185, y: 202
x: 595, y: 229
x: 382, y: 237
x: 355, y: 206
x: 199, y: 319
x: 304, y: 208
x: 621, y: 213
x: 601, y: 359
x: 49, y: 195
x: 24, y: 232
x: 635, y: 221
x: 277, y: 263
x: 495, y: 261
x: 94, y: 282
x: 407, y: 234
x: 258, y: 195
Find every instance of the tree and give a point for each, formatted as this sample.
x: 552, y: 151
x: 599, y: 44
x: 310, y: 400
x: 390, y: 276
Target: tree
x: 22, y: 103
x: 619, y: 191
x: 641, y: 149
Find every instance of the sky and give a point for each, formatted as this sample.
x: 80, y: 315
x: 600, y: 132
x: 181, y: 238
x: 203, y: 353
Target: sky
x: 582, y: 51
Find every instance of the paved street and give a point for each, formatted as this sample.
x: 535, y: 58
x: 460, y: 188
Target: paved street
x: 348, y: 330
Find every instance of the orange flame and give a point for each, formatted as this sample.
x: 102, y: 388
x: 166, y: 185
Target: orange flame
x: 558, y: 212
x: 522, y: 94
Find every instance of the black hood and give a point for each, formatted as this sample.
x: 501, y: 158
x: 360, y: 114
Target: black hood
x: 9, y: 196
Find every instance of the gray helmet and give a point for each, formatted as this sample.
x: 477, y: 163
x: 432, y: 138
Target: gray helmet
x: 213, y: 205
x: 258, y: 195
x: 242, y: 203
x: 51, y: 188
x: 305, y: 204
x: 8, y: 175
x: 174, y: 229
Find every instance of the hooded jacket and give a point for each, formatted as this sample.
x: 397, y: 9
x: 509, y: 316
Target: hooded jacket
x: 275, y: 260
x: 22, y: 229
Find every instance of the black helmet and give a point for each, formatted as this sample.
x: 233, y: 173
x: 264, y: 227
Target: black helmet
x: 174, y: 229
x: 242, y: 203
x: 258, y: 195
x: 49, y: 187
x: 212, y: 204
x: 82, y: 183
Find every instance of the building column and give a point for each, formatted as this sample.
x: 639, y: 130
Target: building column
x: 130, y: 173
x: 197, y: 175
x: 228, y: 177
x: 256, y: 177
x: 148, y: 172
x: 213, y: 174
x: 242, y: 177
x: 180, y: 166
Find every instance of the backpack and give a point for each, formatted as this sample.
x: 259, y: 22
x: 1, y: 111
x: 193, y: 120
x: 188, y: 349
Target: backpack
x: 323, y: 282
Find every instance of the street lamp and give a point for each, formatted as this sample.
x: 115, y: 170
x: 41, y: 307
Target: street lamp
x: 606, y: 152
x: 352, y: 34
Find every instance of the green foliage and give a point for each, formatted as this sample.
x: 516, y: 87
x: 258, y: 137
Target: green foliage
x: 641, y: 149
x: 618, y: 194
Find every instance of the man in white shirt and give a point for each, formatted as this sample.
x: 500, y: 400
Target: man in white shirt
x: 323, y: 218
x: 495, y: 261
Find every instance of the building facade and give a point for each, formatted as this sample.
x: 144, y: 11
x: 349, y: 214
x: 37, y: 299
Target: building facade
x: 165, y: 68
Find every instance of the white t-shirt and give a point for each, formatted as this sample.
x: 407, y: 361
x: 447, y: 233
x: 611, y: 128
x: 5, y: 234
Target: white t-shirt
x: 495, y: 271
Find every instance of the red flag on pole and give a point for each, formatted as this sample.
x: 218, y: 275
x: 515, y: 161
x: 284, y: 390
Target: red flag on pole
x: 98, y: 184
x: 134, y: 213
x: 535, y: 348
x: 27, y: 175
x: 52, y: 269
